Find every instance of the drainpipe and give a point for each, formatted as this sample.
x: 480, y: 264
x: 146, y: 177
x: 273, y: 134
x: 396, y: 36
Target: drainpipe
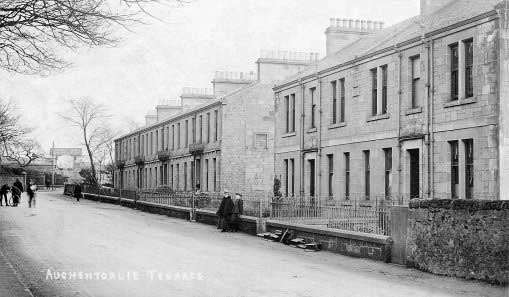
x: 318, y: 191
x: 302, y: 157
x: 276, y: 101
x: 430, y: 121
x: 428, y: 107
x: 400, y: 95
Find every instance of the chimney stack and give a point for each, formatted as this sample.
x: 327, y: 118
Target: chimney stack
x: 167, y: 108
x: 226, y: 82
x: 192, y: 97
x: 150, y: 119
x: 343, y: 32
x: 274, y: 66
x: 431, y: 6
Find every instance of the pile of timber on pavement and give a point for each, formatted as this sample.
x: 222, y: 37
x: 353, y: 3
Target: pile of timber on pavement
x: 287, y: 237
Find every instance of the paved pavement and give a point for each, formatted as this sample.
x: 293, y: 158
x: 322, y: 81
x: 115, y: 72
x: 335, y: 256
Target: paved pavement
x: 10, y: 282
x: 65, y: 248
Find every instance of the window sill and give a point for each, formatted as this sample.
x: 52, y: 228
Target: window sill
x: 338, y: 125
x: 379, y: 117
x: 291, y: 134
x: 413, y: 111
x: 311, y: 130
x: 460, y: 102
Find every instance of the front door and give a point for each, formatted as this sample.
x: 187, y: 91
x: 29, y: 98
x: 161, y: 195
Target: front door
x: 312, y: 179
x: 414, y: 173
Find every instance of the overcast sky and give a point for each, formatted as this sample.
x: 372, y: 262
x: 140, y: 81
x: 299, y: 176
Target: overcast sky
x: 158, y: 59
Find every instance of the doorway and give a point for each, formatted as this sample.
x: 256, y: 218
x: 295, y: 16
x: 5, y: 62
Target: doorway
x: 414, y: 173
x: 312, y: 173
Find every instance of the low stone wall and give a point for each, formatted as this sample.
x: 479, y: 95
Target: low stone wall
x: 127, y: 203
x: 92, y: 197
x: 462, y: 238
x: 100, y: 198
x: 167, y: 210
x: 247, y: 224
x: 350, y: 243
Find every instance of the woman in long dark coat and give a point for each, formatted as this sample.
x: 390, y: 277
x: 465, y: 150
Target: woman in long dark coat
x: 226, y: 213
x: 220, y: 210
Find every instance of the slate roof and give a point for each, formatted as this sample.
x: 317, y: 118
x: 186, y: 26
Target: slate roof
x: 414, y: 27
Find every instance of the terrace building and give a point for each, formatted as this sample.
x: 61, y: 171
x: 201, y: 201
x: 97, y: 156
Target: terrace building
x: 213, y: 139
x: 418, y: 109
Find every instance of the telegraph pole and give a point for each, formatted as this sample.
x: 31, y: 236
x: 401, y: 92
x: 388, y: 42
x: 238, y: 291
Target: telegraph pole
x: 53, y: 167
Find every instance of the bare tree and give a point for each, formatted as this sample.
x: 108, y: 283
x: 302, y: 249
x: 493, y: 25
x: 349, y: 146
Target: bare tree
x: 105, y: 148
x: 109, y: 145
x: 89, y: 117
x: 33, y: 31
x: 13, y: 146
x: 10, y: 128
x: 21, y: 151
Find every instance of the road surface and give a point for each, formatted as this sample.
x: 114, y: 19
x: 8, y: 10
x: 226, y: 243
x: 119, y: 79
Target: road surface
x: 68, y: 248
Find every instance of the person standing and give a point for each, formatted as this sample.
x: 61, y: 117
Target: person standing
x: 227, y: 213
x: 18, y: 185
x: 16, y: 190
x: 238, y: 209
x: 77, y: 192
x: 31, y: 189
x: 3, y: 194
x: 220, y: 210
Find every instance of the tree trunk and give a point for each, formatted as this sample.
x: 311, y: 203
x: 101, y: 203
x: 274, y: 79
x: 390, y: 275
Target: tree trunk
x: 90, y: 156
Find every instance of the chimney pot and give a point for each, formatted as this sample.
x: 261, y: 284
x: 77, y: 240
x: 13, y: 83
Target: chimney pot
x: 332, y: 22
x: 382, y: 25
x: 370, y: 25
x: 363, y: 25
x: 345, y: 23
x: 357, y: 24
x: 350, y: 23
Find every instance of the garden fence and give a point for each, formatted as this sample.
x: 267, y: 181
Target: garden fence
x: 354, y: 213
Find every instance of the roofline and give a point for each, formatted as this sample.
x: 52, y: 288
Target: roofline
x: 297, y: 81
x: 217, y: 102
x: 202, y: 96
x: 288, y: 62
x: 234, y: 81
x: 176, y: 117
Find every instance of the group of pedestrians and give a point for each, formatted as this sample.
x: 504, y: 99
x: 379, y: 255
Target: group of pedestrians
x: 16, y: 190
x: 229, y: 212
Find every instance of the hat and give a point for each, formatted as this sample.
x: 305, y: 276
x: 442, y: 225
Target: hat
x: 226, y: 191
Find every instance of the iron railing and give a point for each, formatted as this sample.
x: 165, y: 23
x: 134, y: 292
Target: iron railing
x: 183, y: 199
x: 355, y: 213
x: 366, y: 219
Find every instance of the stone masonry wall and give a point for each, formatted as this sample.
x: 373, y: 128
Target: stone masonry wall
x: 247, y: 151
x: 473, y: 118
x: 462, y: 238
x: 354, y: 244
